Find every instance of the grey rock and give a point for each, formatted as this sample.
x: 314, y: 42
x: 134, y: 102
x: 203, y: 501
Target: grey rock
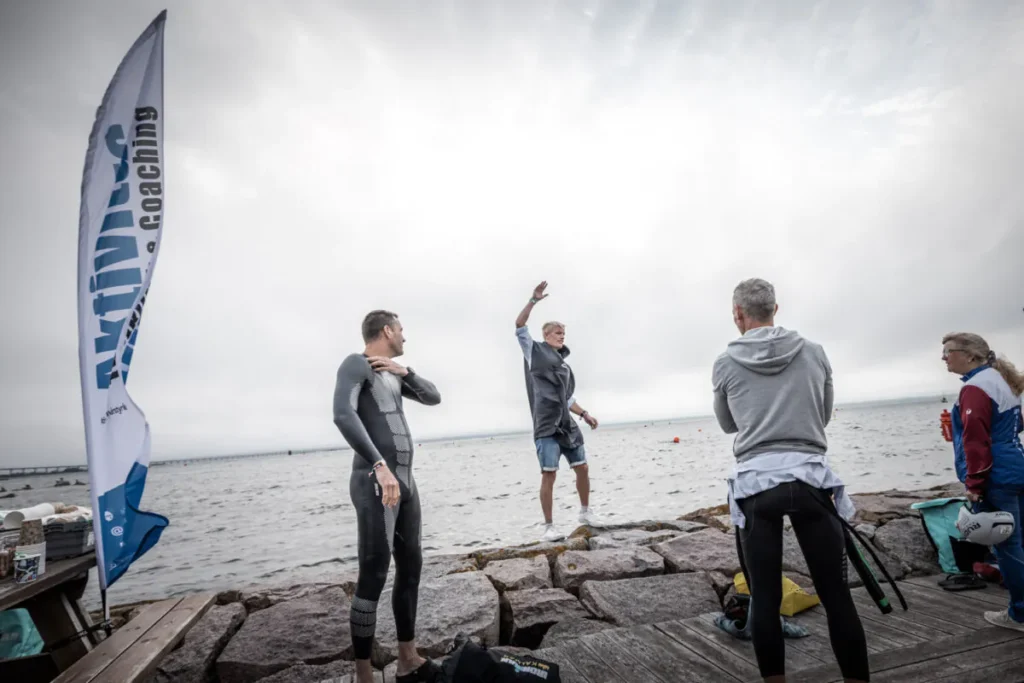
x: 512, y: 650
x: 519, y: 573
x: 315, y: 673
x: 281, y: 636
x: 906, y: 539
x: 645, y: 525
x: 721, y: 583
x: 571, y: 629
x: 195, y: 660
x: 708, y: 550
x: 793, y: 560
x: 464, y: 601
x: 441, y: 565
x: 866, y: 530
x: 879, y: 508
x: 630, y: 537
x: 528, y: 614
x: 549, y: 550
x: 256, y: 598
x: 650, y: 600
x: 574, y: 567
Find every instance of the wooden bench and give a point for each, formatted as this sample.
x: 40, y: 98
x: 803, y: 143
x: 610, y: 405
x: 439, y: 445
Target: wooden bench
x: 132, y: 653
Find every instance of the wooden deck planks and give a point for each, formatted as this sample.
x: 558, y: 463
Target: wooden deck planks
x: 992, y: 595
x: 738, y: 667
x: 942, y: 638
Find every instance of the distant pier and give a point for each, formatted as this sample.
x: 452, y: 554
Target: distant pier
x: 15, y: 472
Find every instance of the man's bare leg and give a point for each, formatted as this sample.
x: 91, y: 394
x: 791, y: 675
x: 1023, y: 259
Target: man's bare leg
x: 547, y: 494
x: 583, y: 484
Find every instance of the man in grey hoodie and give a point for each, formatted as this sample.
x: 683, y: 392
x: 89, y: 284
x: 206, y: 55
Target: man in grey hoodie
x: 773, y: 389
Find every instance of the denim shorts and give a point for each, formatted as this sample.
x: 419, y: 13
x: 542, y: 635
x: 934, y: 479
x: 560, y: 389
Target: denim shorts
x: 548, y: 451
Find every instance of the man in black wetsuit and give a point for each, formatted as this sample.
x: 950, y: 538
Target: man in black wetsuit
x: 368, y: 411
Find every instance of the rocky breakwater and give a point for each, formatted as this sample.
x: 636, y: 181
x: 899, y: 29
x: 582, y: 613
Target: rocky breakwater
x: 532, y: 596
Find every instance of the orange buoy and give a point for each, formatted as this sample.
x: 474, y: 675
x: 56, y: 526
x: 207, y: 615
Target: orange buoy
x: 675, y: 440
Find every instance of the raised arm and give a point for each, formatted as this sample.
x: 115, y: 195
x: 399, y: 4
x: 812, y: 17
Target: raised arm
x: 351, y: 375
x: 538, y: 295
x: 420, y: 390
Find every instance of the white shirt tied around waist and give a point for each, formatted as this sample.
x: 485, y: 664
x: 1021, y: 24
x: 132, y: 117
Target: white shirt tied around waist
x: 767, y: 470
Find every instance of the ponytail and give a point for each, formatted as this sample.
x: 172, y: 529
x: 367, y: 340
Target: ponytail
x: 1009, y: 372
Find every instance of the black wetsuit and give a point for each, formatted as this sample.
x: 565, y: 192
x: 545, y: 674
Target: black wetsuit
x: 368, y: 411
x: 821, y: 539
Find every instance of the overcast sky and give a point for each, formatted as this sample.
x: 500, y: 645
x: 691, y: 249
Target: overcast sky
x: 439, y: 159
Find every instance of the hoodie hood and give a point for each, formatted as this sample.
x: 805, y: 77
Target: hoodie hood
x: 766, y: 350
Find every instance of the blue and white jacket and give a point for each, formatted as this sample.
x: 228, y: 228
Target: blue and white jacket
x: 986, y: 432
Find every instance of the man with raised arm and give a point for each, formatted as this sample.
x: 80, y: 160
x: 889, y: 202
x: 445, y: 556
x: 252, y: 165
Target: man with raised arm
x: 550, y: 385
x: 368, y: 411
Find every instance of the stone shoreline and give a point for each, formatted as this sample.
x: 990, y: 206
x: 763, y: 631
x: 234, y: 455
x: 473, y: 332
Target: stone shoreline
x: 531, y: 596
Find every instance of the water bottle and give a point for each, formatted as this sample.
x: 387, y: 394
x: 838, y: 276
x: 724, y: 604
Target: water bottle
x: 946, y: 421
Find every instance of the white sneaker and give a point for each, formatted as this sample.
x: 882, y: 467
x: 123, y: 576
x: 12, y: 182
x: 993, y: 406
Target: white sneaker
x: 551, y: 533
x: 1003, y: 619
x: 591, y: 519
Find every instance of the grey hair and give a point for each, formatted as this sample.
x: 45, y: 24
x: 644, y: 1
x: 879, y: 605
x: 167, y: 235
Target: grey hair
x: 553, y: 325
x: 977, y: 348
x: 756, y: 298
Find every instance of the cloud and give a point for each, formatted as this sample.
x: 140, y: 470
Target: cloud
x: 326, y: 159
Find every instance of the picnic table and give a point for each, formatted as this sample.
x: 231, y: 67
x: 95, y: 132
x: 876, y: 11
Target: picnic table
x: 53, y: 602
x: 76, y: 653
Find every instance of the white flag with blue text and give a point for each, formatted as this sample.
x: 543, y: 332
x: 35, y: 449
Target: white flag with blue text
x: 120, y: 223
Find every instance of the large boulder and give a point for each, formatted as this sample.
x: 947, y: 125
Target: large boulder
x: 571, y: 629
x: 279, y: 637
x: 463, y: 601
x: 650, y: 600
x: 645, y: 525
x: 314, y: 673
x: 707, y: 550
x: 549, y: 550
x: 907, y: 540
x: 256, y: 598
x: 880, y: 508
x: 520, y: 573
x: 528, y: 614
x: 441, y: 565
x: 195, y: 660
x: 574, y: 567
x: 793, y: 560
x: 705, y: 515
x: 631, y: 537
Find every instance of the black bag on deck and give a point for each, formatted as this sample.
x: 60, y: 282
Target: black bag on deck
x: 470, y: 663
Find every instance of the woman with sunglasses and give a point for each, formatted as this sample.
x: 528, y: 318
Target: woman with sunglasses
x: 989, y: 456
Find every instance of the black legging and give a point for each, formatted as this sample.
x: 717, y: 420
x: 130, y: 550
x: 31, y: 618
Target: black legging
x: 381, y: 532
x: 823, y: 544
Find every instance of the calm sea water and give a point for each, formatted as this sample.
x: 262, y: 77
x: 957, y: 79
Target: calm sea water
x: 284, y: 519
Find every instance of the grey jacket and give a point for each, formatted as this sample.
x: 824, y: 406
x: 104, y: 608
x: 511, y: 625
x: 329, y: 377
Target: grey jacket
x: 773, y: 389
x: 550, y: 384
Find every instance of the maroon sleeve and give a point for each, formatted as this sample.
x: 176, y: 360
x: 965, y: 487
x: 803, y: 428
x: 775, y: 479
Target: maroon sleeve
x: 976, y: 416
